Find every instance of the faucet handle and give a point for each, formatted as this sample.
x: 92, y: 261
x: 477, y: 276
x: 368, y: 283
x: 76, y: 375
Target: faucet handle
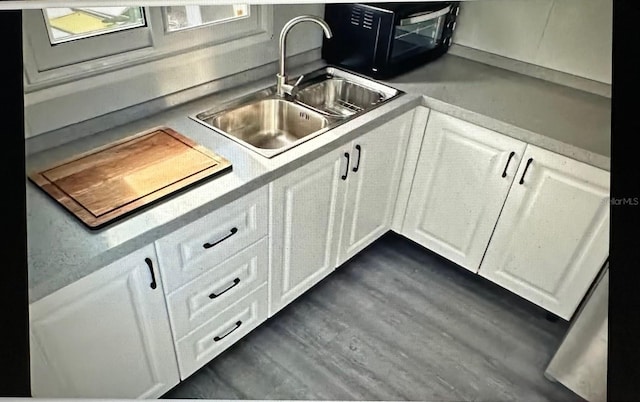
x: 294, y: 88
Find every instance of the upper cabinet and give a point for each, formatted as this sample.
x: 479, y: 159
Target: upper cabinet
x: 105, y: 336
x: 552, y: 237
x: 461, y: 180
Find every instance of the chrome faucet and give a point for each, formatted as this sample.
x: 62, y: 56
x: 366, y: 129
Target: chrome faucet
x: 283, y: 88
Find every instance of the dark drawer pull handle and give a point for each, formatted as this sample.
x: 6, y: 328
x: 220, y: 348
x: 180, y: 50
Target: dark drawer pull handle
x: 525, y: 170
x: 209, y: 245
x: 235, y: 282
x: 355, y: 168
x: 153, y: 275
x: 219, y: 338
x: 504, y: 174
x: 346, y: 172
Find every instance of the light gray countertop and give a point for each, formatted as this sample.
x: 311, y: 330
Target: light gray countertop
x: 561, y: 119
x: 62, y: 250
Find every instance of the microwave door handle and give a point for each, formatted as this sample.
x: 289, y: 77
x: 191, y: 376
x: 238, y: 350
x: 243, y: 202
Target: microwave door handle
x: 424, y: 17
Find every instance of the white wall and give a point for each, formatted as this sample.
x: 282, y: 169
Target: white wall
x: 572, y: 36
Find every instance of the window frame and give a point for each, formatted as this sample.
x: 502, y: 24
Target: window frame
x: 48, y: 65
x: 73, y: 37
x: 50, y: 57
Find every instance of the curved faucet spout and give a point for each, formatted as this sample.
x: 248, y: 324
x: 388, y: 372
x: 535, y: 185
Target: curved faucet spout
x: 282, y: 87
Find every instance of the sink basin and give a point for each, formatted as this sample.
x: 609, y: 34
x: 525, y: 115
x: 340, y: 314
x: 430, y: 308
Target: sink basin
x: 339, y: 97
x: 271, y: 124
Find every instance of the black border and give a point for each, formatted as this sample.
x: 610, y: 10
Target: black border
x: 14, y: 318
x: 623, y: 374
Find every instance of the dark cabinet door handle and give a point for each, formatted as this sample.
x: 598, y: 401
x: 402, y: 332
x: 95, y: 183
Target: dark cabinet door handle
x: 232, y: 232
x: 235, y: 282
x: 355, y: 168
x: 504, y: 174
x: 219, y: 338
x: 153, y: 275
x: 346, y: 172
x: 525, y: 170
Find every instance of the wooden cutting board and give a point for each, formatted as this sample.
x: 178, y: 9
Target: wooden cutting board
x: 112, y: 181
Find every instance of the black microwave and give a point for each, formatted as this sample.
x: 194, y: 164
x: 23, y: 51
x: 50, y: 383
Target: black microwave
x: 382, y: 40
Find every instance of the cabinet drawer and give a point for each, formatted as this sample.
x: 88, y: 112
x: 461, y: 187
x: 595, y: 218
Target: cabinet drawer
x: 194, y: 249
x: 206, y: 296
x: 198, y: 348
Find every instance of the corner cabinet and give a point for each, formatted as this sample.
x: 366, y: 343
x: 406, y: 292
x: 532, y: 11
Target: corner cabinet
x: 105, y: 336
x: 461, y: 180
x: 532, y: 221
x: 552, y: 237
x: 331, y: 208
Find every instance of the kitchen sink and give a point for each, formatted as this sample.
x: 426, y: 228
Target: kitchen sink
x: 270, y: 124
x: 338, y: 97
x: 341, y: 94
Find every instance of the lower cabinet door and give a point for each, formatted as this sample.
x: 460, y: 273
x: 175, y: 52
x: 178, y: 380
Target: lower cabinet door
x: 461, y: 181
x: 105, y: 336
x: 374, y: 176
x: 305, y: 218
x: 552, y: 237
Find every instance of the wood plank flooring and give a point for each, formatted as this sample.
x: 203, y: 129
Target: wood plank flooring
x: 396, y: 322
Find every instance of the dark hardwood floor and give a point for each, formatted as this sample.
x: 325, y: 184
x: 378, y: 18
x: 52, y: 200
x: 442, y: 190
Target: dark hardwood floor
x: 397, y: 322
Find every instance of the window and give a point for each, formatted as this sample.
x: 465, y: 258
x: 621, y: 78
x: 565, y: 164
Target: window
x: 87, y: 38
x: 75, y: 81
x: 67, y: 24
x: 181, y: 27
x: 64, y: 44
x: 185, y: 17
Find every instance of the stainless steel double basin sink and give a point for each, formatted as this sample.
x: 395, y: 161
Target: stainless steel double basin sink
x: 269, y: 124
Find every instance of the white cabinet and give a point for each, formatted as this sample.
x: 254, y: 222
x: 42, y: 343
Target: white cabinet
x: 544, y: 236
x: 552, y: 237
x: 306, y: 206
x: 461, y: 181
x: 326, y: 211
x: 372, y: 184
x: 215, y: 271
x: 105, y: 336
x: 112, y: 334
